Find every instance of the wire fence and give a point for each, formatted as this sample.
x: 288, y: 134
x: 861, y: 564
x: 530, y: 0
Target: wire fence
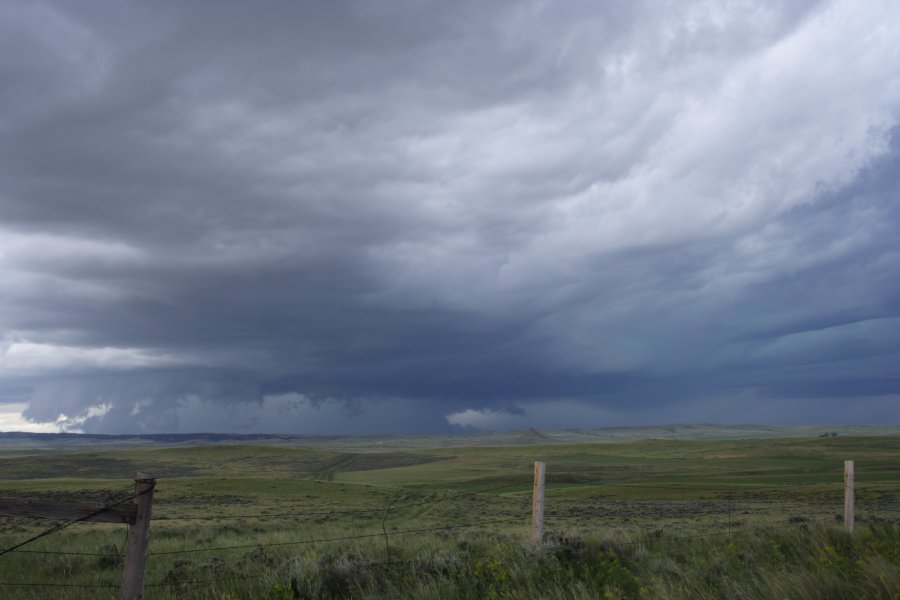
x: 724, y: 511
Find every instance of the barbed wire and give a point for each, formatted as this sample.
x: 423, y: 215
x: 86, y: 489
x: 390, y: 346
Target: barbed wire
x: 336, y: 539
x: 736, y: 490
x: 356, y: 563
x: 58, y: 585
x: 447, y: 496
x: 650, y: 540
x: 737, y: 528
x: 68, y: 553
x: 395, y: 532
x: 63, y: 525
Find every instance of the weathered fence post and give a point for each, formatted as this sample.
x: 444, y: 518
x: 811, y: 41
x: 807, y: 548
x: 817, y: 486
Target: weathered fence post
x: 138, y: 538
x: 849, y: 500
x: 537, y: 502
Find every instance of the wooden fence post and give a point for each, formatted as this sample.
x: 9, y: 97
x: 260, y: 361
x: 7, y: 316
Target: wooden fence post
x: 849, y: 500
x: 138, y: 538
x: 537, y: 502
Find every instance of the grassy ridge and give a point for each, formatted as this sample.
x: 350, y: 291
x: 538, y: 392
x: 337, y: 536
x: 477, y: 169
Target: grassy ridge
x: 649, y: 518
x: 44, y: 442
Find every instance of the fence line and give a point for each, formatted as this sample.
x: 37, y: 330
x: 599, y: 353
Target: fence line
x: 69, y: 553
x: 650, y: 539
x: 730, y: 506
x: 138, y: 519
x: 339, y: 539
x: 467, y: 559
x: 65, y: 524
x: 87, y: 586
x: 446, y: 496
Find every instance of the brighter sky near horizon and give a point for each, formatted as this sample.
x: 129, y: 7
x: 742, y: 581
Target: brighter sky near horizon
x: 424, y: 216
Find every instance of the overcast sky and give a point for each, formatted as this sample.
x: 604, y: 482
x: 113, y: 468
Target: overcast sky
x: 431, y: 216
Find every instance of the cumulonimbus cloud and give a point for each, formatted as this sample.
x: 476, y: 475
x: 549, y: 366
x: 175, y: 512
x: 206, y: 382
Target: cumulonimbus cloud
x: 457, y: 208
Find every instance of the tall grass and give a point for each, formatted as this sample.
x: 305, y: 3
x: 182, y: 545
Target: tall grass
x: 247, y: 527
x: 795, y: 562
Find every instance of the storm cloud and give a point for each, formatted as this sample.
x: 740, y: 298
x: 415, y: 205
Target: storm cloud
x: 351, y: 217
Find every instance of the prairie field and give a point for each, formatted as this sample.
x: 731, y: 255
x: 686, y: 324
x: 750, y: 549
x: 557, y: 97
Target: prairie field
x: 644, y: 518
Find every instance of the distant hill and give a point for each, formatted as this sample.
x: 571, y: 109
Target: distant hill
x: 531, y: 436
x: 24, y: 441
x: 27, y: 440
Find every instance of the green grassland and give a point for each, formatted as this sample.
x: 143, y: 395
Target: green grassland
x: 388, y: 518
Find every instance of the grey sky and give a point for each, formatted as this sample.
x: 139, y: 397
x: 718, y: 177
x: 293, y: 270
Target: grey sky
x: 326, y: 217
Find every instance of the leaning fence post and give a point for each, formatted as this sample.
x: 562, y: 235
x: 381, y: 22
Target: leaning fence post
x: 537, y: 502
x: 849, y: 500
x: 138, y: 538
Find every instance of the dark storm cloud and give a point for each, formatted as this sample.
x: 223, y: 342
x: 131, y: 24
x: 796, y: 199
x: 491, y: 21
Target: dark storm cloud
x: 380, y: 216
